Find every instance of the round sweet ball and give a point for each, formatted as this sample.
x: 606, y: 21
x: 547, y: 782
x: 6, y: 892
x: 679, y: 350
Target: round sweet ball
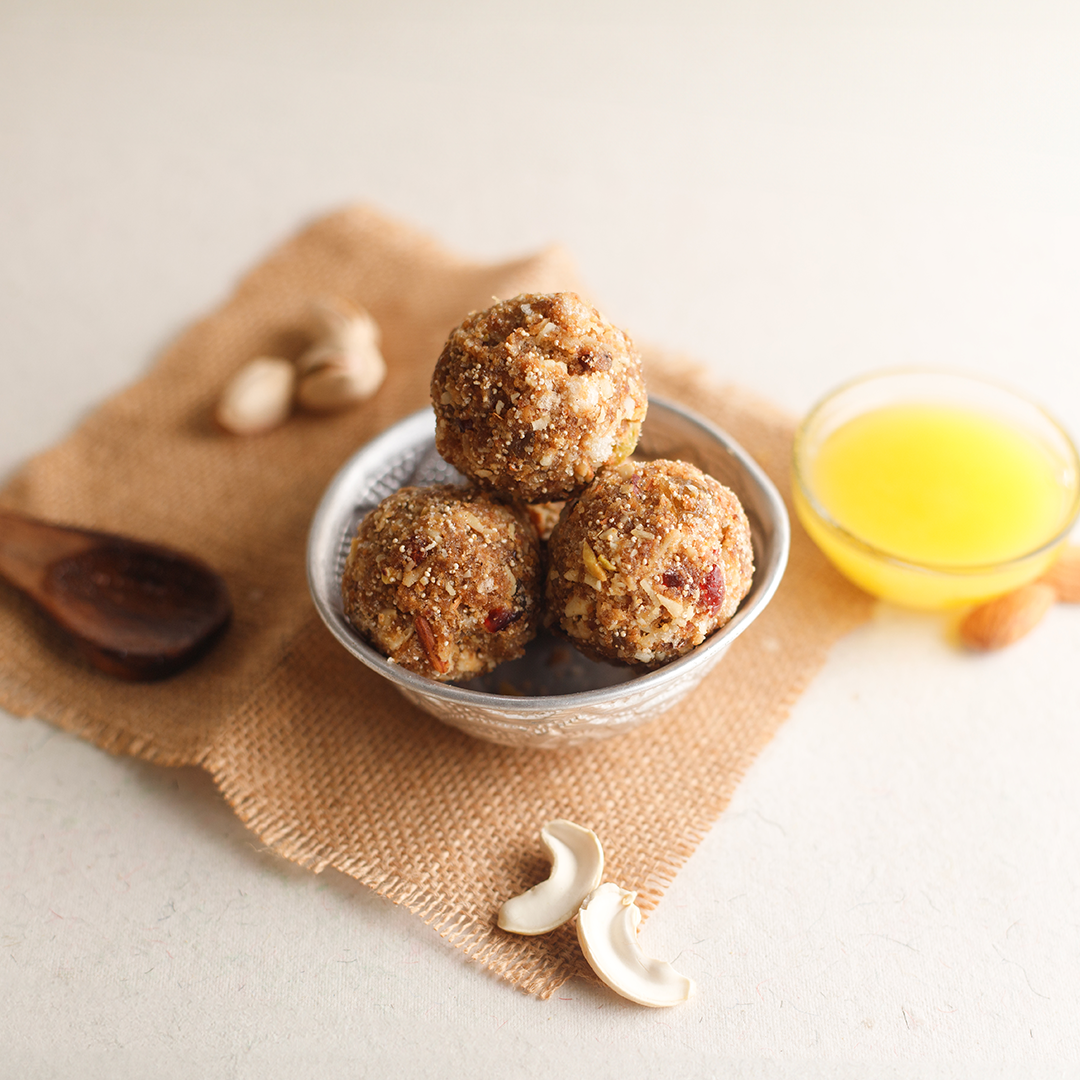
x: 445, y: 581
x: 535, y: 395
x: 648, y: 562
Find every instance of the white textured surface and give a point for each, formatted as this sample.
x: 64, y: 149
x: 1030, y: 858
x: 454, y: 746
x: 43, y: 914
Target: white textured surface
x: 793, y: 192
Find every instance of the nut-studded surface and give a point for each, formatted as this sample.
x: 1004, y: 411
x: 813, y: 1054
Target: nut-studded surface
x: 648, y: 562
x: 534, y: 395
x: 445, y: 581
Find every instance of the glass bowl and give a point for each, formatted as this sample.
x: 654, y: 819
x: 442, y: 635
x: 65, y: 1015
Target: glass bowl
x: 924, y: 582
x: 553, y: 696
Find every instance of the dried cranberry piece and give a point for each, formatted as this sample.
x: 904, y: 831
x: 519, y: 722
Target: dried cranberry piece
x: 500, y: 618
x: 673, y: 578
x: 712, y: 589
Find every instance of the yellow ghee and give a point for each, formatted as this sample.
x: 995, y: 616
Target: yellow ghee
x: 961, y: 493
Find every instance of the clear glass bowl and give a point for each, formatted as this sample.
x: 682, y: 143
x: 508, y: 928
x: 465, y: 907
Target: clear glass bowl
x: 917, y: 584
x: 553, y: 696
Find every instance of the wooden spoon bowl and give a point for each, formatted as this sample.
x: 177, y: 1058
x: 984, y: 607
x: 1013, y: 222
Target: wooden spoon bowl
x: 135, y: 610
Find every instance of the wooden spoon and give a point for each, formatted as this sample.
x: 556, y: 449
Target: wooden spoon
x: 138, y: 611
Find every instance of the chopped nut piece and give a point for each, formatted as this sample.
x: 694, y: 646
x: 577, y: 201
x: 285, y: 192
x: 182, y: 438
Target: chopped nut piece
x: 478, y: 525
x: 591, y: 565
x: 429, y: 645
x: 544, y: 516
x: 576, y: 605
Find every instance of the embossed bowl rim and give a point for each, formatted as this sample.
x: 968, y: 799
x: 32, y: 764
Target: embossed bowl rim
x: 325, y: 539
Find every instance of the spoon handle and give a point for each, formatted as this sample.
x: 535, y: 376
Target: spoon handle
x: 28, y: 547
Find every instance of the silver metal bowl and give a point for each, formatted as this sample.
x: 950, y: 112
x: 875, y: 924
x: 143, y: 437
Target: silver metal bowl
x: 553, y: 696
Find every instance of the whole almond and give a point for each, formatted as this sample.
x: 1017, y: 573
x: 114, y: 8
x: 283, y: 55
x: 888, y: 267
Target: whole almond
x: 1064, y: 576
x: 1007, y: 618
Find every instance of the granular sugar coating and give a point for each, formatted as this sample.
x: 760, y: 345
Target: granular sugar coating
x: 445, y: 581
x: 536, y: 394
x: 648, y: 562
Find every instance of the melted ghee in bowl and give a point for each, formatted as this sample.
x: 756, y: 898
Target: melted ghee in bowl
x: 935, y: 504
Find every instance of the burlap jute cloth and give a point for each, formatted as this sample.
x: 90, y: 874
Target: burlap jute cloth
x: 318, y: 755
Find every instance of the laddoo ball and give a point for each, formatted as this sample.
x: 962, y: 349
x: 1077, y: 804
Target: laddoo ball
x: 535, y: 395
x: 648, y: 562
x: 445, y: 581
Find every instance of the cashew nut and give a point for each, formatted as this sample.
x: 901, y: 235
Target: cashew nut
x: 577, y: 865
x: 607, y: 930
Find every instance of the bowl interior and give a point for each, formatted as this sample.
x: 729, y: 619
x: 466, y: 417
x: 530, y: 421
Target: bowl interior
x: 551, y: 667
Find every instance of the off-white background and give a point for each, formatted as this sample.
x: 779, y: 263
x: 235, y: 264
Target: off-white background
x: 791, y: 192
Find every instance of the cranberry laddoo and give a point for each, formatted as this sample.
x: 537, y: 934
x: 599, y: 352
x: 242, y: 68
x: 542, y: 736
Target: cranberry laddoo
x: 535, y: 395
x: 445, y: 581
x: 647, y: 562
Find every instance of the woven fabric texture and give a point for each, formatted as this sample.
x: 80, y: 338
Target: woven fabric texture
x: 317, y: 754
